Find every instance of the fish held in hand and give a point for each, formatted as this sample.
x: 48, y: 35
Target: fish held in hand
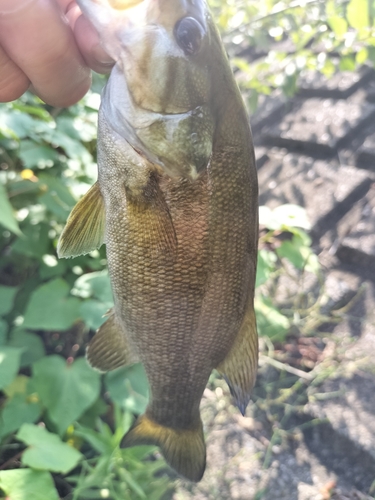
x: 176, y: 203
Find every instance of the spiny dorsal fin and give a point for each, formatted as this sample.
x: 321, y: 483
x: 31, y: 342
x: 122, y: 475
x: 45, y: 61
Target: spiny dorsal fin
x: 84, y: 230
x: 109, y: 349
x: 183, y: 449
x: 239, y: 368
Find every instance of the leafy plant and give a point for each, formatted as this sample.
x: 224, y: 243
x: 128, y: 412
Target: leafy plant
x: 60, y: 422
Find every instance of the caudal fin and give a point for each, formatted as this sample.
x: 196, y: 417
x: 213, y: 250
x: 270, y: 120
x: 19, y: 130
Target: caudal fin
x: 183, y: 449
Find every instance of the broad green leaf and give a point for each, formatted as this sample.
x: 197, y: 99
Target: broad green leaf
x: 338, y: 25
x: 7, y: 295
x: 34, y: 154
x: 66, y: 390
x: 46, y: 450
x: 34, y: 242
x: 95, y: 285
x: 357, y: 13
x: 362, y: 56
x: 92, y: 313
x: 27, y: 484
x: 299, y: 254
x: 18, y: 410
x: 50, y: 308
x: 9, y: 364
x: 265, y: 266
x: 129, y: 388
x: 3, y: 332
x: 20, y: 124
x: 347, y: 63
x: 7, y: 218
x: 32, y: 344
x: 270, y: 321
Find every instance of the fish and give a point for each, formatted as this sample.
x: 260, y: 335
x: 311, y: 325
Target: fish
x: 176, y: 204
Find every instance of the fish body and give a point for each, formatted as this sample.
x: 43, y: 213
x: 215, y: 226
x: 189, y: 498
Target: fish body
x: 176, y: 204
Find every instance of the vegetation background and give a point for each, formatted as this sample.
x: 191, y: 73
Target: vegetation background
x: 61, y: 422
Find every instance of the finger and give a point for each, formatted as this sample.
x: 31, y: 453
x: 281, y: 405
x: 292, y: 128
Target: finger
x: 87, y: 38
x: 42, y: 45
x: 13, y: 81
x: 89, y: 44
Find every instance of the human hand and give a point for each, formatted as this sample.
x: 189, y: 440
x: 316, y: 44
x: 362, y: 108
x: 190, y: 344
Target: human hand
x: 50, y: 45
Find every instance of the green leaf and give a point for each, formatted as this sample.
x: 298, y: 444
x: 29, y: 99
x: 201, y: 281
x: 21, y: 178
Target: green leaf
x: 66, y: 390
x: 99, y: 442
x: 47, y: 451
x: 338, y: 25
x: 129, y: 388
x: 265, y: 266
x: 3, y: 332
x: 357, y: 14
x: 34, y: 154
x: 34, y: 242
x: 92, y: 312
x: 300, y: 255
x: 270, y: 321
x: 18, y: 410
x: 347, y: 63
x: 362, y: 56
x: 7, y: 295
x: 7, y: 218
x: 26, y: 484
x: 32, y: 344
x: 95, y: 285
x: 50, y: 308
x: 9, y: 364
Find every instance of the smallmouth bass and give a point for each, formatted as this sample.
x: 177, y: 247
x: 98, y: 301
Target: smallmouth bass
x: 176, y: 203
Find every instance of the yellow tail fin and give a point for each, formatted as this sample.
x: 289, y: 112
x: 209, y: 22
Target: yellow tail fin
x: 183, y: 449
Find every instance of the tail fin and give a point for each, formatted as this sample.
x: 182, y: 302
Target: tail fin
x: 183, y: 449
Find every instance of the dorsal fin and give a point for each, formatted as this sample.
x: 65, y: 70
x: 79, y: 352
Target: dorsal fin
x: 84, y: 230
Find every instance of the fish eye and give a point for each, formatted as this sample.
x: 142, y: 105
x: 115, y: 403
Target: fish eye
x: 189, y: 34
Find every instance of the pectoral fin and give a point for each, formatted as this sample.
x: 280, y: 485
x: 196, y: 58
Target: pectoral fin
x: 240, y: 366
x: 84, y: 230
x: 109, y: 349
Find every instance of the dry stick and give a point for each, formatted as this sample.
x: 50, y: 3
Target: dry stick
x: 287, y: 368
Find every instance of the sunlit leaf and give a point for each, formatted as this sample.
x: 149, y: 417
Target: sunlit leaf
x: 7, y: 295
x: 27, y: 484
x: 50, y: 307
x: 357, y: 13
x: 66, y: 390
x: 9, y: 364
x: 7, y: 218
x: 46, y: 450
x: 129, y: 387
x: 18, y: 410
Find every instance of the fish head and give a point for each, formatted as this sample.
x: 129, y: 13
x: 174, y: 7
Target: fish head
x: 163, y: 77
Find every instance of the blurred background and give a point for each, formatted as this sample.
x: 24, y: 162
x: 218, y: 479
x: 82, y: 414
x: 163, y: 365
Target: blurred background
x: 305, y: 69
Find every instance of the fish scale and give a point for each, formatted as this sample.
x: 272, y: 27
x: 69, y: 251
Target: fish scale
x: 176, y: 205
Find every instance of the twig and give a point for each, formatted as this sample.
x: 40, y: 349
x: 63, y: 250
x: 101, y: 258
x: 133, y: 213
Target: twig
x: 282, y: 366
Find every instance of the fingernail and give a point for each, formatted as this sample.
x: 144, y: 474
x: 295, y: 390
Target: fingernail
x: 102, y: 57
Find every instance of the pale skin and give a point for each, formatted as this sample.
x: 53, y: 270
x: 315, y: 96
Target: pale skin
x: 48, y: 46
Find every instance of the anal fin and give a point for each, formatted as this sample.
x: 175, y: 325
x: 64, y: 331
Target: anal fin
x: 109, y: 348
x: 183, y: 449
x: 84, y: 230
x: 239, y: 368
